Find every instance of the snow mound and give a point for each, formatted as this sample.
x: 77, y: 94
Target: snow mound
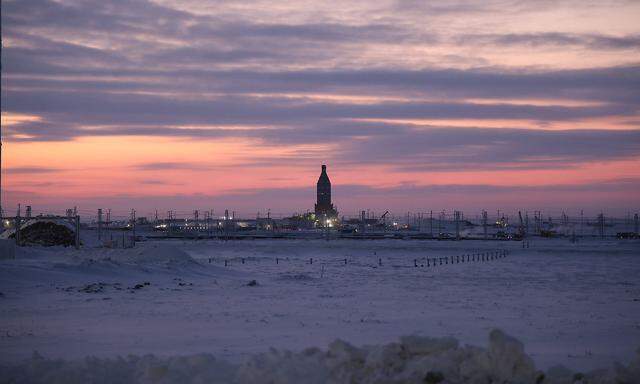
x: 411, y: 360
x: 143, y: 258
x: 148, y: 255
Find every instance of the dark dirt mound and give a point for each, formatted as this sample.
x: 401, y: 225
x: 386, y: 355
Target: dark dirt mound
x: 46, y: 233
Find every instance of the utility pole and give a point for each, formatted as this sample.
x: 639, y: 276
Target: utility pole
x: 18, y: 225
x: 226, y: 223
x: 484, y: 223
x: 109, y: 222
x: 627, y: 221
x: 601, y: 224
x: 211, y: 222
x: 77, y: 231
x: 521, y: 227
x: 99, y: 223
x: 431, y: 223
x: 133, y: 226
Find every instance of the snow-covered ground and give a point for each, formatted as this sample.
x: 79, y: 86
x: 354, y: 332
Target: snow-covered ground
x: 576, y: 304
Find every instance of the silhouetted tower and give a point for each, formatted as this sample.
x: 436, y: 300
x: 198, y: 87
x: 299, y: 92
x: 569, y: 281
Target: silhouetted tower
x: 324, y: 207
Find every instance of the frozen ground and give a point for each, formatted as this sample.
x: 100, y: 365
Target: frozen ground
x: 571, y: 304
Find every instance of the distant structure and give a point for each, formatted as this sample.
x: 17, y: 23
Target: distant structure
x: 324, y: 208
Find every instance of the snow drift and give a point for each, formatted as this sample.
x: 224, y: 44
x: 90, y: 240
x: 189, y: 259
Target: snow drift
x: 151, y: 258
x: 412, y: 359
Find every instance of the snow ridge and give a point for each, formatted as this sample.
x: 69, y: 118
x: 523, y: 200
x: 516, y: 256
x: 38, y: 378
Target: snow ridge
x: 412, y: 359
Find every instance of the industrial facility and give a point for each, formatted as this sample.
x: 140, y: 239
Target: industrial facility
x: 323, y: 222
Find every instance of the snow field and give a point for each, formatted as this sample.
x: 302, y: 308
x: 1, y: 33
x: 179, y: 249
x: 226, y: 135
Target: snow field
x: 571, y: 304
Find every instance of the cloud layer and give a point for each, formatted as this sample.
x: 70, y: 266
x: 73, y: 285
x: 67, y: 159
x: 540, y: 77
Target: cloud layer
x: 426, y: 92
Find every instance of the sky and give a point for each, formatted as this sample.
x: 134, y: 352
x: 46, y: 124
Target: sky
x: 413, y: 105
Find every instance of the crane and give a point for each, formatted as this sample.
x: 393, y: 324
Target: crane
x: 383, y: 217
